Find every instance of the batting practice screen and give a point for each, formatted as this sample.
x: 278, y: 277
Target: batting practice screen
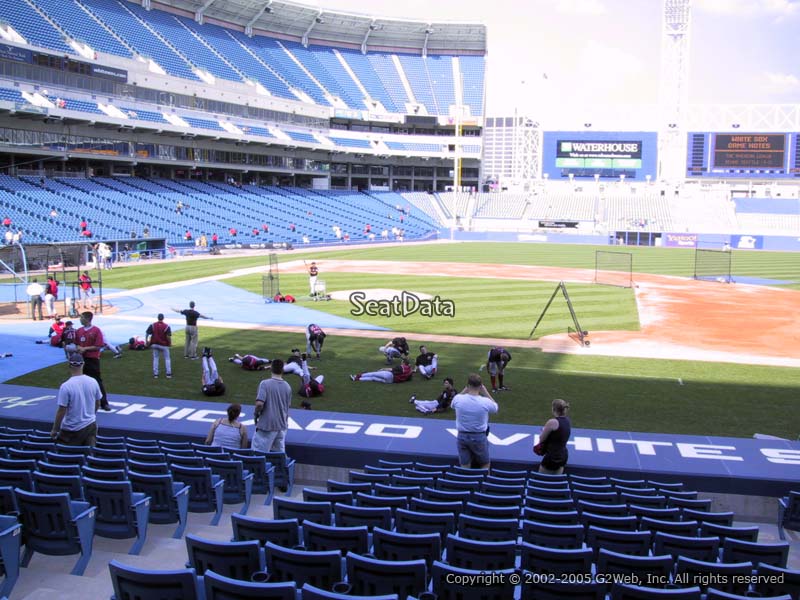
x: 613, y: 268
x: 712, y: 265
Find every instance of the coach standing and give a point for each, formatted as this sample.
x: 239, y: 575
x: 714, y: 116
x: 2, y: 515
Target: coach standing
x: 473, y: 406
x: 35, y: 291
x: 190, y: 347
x: 313, y: 271
x: 159, y: 338
x: 90, y: 341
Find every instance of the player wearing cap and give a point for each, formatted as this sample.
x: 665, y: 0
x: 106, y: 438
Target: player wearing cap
x: 78, y: 399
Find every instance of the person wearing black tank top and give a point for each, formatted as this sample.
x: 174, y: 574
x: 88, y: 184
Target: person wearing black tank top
x: 553, y: 440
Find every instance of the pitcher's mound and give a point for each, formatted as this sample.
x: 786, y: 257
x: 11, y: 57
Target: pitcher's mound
x: 377, y: 294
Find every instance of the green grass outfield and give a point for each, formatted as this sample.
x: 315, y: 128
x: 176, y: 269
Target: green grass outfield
x: 605, y: 393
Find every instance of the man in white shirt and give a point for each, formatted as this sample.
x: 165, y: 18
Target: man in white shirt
x: 78, y: 400
x: 35, y: 291
x: 473, y: 406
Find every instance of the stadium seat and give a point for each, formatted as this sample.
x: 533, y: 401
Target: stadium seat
x: 480, y: 555
x: 121, y: 512
x: 262, y: 471
x: 555, y: 561
x: 169, y: 499
x: 538, y: 590
x: 558, y: 517
x: 390, y: 545
x: 747, y: 533
x: 310, y: 592
x: 684, y: 528
x: 318, y: 537
x: 627, y: 523
x: 238, y: 481
x: 319, y: 512
x: 237, y: 560
x: 699, y: 548
x: 373, y: 577
x: 282, y: 532
x: 434, y: 506
x: 714, y: 594
x: 552, y: 535
x: 346, y: 486
x: 636, y: 543
x: 104, y: 474
x: 54, y: 524
x: 347, y: 515
x: 789, y: 514
x: 611, y: 510
x: 735, y: 551
x: 320, y: 569
x: 646, y: 568
x: 445, y: 577
x: 492, y: 511
x: 205, y: 489
x: 311, y: 495
x: 219, y: 587
x: 407, y: 521
x: 774, y: 581
x: 46, y: 483
x: 130, y: 582
x: 625, y: 591
x: 373, y: 501
x: 701, y: 572
x: 718, y: 518
x: 10, y: 538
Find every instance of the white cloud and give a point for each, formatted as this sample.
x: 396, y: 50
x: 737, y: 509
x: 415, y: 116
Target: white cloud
x: 581, y: 7
x: 747, y: 8
x: 782, y: 82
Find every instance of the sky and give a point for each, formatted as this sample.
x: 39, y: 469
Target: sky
x: 608, y: 51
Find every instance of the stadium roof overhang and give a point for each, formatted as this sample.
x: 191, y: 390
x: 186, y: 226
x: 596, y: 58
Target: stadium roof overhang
x: 309, y: 24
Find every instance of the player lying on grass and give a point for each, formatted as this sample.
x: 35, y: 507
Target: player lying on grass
x: 441, y: 404
x: 250, y: 362
x: 396, y: 374
x: 212, y: 384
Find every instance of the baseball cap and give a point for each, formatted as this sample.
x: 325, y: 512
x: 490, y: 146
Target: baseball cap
x: 75, y: 359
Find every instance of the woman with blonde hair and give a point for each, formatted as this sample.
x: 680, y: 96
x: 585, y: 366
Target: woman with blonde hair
x: 552, y: 446
x: 228, y: 433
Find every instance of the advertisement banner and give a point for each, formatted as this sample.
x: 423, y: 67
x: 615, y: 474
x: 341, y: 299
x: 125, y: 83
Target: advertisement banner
x: 8, y: 52
x: 747, y: 242
x: 119, y: 75
x: 679, y: 240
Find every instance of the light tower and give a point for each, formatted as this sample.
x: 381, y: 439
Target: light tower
x: 526, y: 152
x: 674, y: 89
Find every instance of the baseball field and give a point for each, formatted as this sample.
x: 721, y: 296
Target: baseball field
x: 669, y: 354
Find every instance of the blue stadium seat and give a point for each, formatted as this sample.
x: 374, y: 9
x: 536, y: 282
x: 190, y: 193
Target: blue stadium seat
x: 219, y: 587
x: 262, y: 471
x: 747, y: 533
x: 446, y: 587
x: 480, y: 555
x: 699, y: 548
x: 310, y: 592
x: 624, y: 591
x: 552, y: 535
x: 775, y: 554
x: 10, y: 538
x: 205, y: 489
x: 646, y: 568
x: 46, y: 483
x: 237, y: 560
x: 121, y: 512
x: 555, y: 561
x: 319, y: 512
x: 54, y: 524
x: 310, y: 495
x: 391, y: 545
x: 347, y: 515
x: 371, y: 577
x: 559, y: 517
x: 714, y: 594
x: 683, y: 528
x: 773, y: 581
x: 701, y: 572
x: 625, y: 542
x: 407, y: 521
x: 238, y: 481
x: 543, y: 590
x: 320, y: 569
x: 282, y: 532
x: 719, y: 518
x: 789, y: 513
x: 130, y: 582
x: 318, y: 537
x: 169, y: 499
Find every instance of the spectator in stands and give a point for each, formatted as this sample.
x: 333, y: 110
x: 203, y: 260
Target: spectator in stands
x: 232, y: 231
x: 17, y: 237
x: 346, y: 238
x: 35, y: 291
x: 552, y: 446
x: 228, y: 432
x: 473, y: 407
x: 53, y: 213
x: 272, y: 414
x: 441, y: 404
x: 265, y: 227
x: 292, y: 227
x: 214, y: 239
x: 306, y: 239
x: 188, y: 236
x: 9, y: 237
x: 371, y: 237
x: 75, y: 423
x: 396, y: 374
x: 179, y: 207
x: 146, y: 231
x: 256, y: 231
x: 86, y: 233
x: 203, y: 241
x: 385, y: 234
x: 84, y: 225
x: 7, y: 221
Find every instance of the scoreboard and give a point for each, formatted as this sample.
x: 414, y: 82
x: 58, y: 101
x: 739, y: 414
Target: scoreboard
x: 747, y: 155
x: 749, y: 150
x: 606, y: 154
